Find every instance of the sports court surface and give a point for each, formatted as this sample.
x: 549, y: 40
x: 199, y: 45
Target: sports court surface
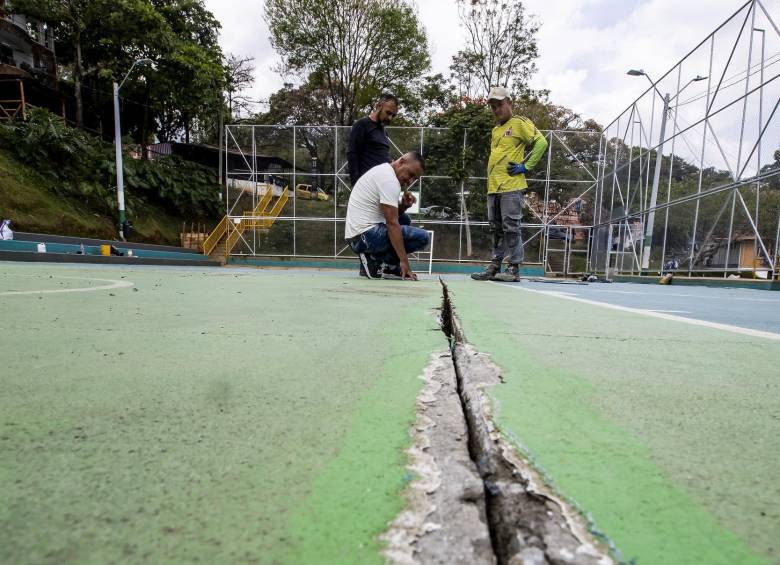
x: 175, y: 414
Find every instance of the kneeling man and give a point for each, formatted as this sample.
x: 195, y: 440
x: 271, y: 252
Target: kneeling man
x: 377, y: 228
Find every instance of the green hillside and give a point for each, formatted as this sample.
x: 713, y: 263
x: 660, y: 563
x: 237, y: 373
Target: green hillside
x: 58, y: 180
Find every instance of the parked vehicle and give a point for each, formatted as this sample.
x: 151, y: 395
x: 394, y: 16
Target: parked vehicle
x: 439, y: 213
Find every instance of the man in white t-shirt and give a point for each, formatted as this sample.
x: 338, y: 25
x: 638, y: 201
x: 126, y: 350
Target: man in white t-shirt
x: 374, y: 227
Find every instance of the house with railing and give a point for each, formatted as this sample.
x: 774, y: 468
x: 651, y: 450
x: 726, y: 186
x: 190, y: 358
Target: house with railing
x: 555, y: 213
x: 28, y: 66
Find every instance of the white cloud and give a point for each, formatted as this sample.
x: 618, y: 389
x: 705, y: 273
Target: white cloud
x: 244, y: 33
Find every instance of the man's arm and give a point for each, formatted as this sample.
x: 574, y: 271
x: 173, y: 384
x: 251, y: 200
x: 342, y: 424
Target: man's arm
x: 538, y: 146
x: 397, y: 240
x: 356, y: 137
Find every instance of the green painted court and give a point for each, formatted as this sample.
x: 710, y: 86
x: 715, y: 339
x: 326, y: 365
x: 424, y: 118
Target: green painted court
x: 153, y: 414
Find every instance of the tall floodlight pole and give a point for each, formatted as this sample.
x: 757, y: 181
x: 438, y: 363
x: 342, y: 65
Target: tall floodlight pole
x: 120, y: 179
x: 648, y: 242
x: 659, y: 156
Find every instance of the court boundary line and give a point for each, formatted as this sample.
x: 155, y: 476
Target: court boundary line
x: 114, y: 285
x: 653, y: 314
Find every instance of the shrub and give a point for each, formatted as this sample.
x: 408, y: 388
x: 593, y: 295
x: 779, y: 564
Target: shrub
x: 82, y: 166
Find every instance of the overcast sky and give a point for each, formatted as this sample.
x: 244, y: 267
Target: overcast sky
x: 585, y: 46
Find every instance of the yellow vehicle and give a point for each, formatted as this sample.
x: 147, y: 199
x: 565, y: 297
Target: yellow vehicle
x: 305, y: 192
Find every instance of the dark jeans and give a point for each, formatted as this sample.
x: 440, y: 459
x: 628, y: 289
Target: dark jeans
x: 505, y: 210
x: 375, y: 242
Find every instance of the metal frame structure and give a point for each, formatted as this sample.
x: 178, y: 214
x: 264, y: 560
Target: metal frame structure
x: 455, y: 236
x: 717, y: 160
x: 699, y: 159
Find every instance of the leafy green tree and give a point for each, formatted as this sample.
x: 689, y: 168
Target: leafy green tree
x: 98, y: 41
x: 187, y: 89
x: 358, y: 47
x: 500, y: 47
x: 70, y: 18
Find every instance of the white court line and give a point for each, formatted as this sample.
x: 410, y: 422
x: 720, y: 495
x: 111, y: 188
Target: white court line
x: 114, y: 284
x: 729, y: 298
x: 669, y: 311
x: 655, y: 314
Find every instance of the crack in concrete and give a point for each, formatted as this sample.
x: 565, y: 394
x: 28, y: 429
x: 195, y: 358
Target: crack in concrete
x: 527, y: 523
x: 444, y: 520
x: 474, y: 498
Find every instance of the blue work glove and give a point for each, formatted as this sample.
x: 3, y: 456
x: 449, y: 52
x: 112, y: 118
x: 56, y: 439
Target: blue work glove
x: 516, y: 168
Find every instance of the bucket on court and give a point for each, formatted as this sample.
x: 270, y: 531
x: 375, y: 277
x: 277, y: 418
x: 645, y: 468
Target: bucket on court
x: 105, y: 250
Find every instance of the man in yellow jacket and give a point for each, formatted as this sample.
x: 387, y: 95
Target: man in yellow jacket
x: 507, y: 167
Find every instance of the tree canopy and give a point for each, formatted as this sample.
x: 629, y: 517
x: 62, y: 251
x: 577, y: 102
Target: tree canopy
x: 500, y: 47
x: 98, y: 40
x: 357, y: 48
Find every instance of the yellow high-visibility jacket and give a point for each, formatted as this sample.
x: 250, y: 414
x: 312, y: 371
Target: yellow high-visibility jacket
x: 508, y: 143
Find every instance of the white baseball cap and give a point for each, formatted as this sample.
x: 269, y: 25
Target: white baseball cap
x: 498, y: 93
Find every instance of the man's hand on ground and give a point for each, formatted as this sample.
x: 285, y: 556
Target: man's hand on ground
x: 406, y: 272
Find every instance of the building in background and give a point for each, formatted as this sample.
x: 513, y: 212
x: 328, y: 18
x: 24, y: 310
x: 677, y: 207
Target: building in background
x: 28, y: 66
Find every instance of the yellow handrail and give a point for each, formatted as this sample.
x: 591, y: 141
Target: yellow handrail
x: 266, y: 223
x: 216, y: 234
x: 260, y: 208
x: 250, y: 222
x: 222, y: 227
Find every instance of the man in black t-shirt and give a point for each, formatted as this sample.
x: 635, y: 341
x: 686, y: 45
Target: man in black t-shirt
x: 368, y: 143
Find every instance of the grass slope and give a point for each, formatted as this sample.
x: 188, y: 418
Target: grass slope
x: 28, y: 198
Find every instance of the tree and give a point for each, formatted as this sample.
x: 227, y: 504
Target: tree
x: 302, y: 105
x: 501, y: 47
x: 191, y: 76
x: 98, y: 41
x: 239, y: 73
x: 70, y: 19
x: 358, y: 47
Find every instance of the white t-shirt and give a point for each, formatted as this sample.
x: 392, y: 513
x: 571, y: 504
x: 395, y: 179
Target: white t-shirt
x: 378, y: 186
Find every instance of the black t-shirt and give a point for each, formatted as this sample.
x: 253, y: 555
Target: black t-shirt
x: 368, y: 147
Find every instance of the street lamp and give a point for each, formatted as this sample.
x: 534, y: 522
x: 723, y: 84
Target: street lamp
x: 658, y: 160
x: 120, y: 180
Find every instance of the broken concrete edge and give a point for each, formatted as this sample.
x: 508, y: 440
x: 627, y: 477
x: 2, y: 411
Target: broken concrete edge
x: 410, y: 524
x: 518, y: 452
x: 504, y: 469
x: 444, y: 518
x: 538, y: 481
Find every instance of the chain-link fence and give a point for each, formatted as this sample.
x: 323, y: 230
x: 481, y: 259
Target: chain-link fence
x: 596, y: 202
x: 308, y: 164
x: 711, y: 203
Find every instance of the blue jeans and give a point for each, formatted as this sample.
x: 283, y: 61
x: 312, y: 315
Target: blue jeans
x: 375, y: 242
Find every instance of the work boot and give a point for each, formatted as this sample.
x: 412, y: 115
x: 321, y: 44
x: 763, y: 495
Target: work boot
x: 489, y: 273
x: 512, y: 274
x: 369, y: 267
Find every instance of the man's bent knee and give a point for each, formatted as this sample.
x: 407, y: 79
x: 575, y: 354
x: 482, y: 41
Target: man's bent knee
x: 415, y: 239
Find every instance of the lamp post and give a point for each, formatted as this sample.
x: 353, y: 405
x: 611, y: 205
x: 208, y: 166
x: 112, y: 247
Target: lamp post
x: 648, y: 241
x: 120, y: 180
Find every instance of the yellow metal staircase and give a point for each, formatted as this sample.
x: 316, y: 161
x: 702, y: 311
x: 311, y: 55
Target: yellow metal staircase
x: 216, y: 235
x: 234, y: 231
